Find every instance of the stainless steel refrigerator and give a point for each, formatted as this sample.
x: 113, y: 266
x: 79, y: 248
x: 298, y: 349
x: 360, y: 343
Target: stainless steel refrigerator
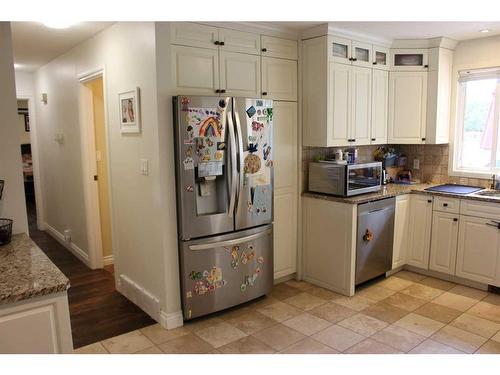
x: 224, y: 169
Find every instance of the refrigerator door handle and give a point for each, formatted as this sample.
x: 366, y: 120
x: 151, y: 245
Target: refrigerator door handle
x: 232, y: 141
x: 236, y: 241
x: 240, y: 151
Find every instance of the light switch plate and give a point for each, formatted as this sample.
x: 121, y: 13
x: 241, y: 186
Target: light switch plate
x: 416, y: 164
x: 144, y: 167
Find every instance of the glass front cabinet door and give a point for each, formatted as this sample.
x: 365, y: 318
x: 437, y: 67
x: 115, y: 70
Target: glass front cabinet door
x: 340, y: 50
x: 380, y: 57
x: 412, y: 60
x: 361, y: 54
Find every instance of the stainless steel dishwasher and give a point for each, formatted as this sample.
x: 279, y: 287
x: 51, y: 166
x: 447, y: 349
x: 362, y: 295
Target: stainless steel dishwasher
x: 374, y: 239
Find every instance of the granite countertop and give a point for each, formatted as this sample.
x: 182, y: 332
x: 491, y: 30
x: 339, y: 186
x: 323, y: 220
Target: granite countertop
x: 392, y: 190
x: 26, y: 272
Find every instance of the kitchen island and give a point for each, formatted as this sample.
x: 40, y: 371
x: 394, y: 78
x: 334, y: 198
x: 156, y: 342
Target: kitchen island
x: 34, y: 313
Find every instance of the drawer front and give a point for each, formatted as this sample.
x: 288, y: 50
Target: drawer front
x: 444, y: 204
x: 480, y: 209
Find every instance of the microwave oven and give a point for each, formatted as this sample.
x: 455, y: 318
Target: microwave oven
x: 345, y: 179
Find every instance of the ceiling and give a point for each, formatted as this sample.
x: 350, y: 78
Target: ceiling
x: 35, y: 44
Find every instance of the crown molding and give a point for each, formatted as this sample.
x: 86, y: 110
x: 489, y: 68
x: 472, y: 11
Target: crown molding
x: 442, y: 42
x: 330, y: 29
x: 265, y: 28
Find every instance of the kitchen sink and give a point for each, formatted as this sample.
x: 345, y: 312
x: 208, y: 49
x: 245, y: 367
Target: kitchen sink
x: 489, y: 193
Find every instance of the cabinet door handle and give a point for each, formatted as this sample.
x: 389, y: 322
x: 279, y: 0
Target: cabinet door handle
x: 445, y: 204
x: 223, y: 91
x: 426, y: 66
x: 354, y: 59
x: 264, y: 93
x: 429, y: 200
x: 221, y: 43
x: 374, y: 63
x: 374, y: 139
x: 423, y: 139
x: 264, y: 49
x: 455, y: 219
x: 496, y: 225
x: 217, y: 91
x: 216, y: 42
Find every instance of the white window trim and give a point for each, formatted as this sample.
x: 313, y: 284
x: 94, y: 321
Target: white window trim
x: 453, y: 170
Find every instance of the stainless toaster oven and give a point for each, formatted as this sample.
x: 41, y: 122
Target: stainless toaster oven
x: 345, y: 179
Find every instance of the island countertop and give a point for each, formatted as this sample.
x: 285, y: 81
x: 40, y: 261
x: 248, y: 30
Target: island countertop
x: 26, y: 272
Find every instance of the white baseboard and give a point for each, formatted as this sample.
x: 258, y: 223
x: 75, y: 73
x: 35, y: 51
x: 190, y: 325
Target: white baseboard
x: 172, y: 320
x: 108, y: 260
x: 75, y: 250
x: 141, y: 297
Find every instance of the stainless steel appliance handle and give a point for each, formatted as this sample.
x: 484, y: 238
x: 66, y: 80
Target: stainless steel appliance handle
x: 232, y: 146
x: 240, y: 151
x: 236, y: 241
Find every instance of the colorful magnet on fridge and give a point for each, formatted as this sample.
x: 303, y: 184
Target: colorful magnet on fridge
x: 189, y: 189
x: 260, y: 260
x: 269, y: 163
x: 257, y: 126
x: 243, y: 287
x: 259, y: 103
x: 188, y: 163
x: 251, y: 111
x: 189, y: 294
x: 194, y: 275
x: 266, y: 151
x: 221, y: 146
x: 219, y: 155
x: 185, y: 100
x: 205, y: 273
x: 190, y: 314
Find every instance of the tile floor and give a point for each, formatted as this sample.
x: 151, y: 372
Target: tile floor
x: 405, y: 313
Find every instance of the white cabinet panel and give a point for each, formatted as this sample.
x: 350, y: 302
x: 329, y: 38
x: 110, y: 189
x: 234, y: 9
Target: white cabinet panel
x: 279, y: 79
x: 444, y: 242
x: 478, y: 250
x: 286, y: 164
x: 239, y: 41
x: 420, y: 231
x: 361, y: 100
x: 279, y: 47
x: 285, y: 234
x: 380, y: 101
x: 194, y: 35
x: 339, y: 50
x: 195, y: 71
x: 361, y: 54
x: 445, y: 204
x: 339, y: 104
x: 401, y: 226
x: 380, y: 57
x: 240, y: 74
x: 407, y: 107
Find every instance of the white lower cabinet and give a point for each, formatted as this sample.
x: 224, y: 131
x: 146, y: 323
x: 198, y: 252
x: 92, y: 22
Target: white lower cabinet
x: 420, y: 231
x: 401, y: 226
x: 444, y: 242
x: 285, y: 234
x: 478, y: 250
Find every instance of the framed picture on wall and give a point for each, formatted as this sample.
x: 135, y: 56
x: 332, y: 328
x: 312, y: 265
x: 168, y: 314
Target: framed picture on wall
x: 130, y: 111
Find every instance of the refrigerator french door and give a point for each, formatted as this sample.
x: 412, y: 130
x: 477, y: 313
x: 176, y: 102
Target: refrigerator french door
x: 224, y: 169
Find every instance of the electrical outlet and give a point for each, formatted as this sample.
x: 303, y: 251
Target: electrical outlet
x: 67, y: 235
x: 416, y: 164
x: 144, y: 167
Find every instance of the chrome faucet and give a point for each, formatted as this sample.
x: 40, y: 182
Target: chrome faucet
x: 493, y: 182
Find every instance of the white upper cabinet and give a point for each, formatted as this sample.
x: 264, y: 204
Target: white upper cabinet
x: 420, y: 231
x: 339, y: 105
x: 239, y: 74
x: 361, y: 102
x: 195, y: 71
x: 285, y: 143
x: 279, y: 79
x: 361, y: 54
x: 444, y: 242
x: 407, y: 107
x: 380, y: 102
x: 380, y: 57
x: 279, y: 47
x: 239, y: 41
x: 410, y: 60
x: 340, y: 49
x: 193, y: 35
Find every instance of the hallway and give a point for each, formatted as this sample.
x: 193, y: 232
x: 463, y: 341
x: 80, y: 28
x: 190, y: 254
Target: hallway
x: 97, y: 310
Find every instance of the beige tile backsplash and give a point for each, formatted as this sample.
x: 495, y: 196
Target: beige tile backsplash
x: 433, y: 163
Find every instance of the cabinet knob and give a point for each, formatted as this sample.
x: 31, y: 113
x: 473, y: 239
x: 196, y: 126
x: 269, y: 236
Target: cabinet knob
x: 223, y: 91
x: 423, y: 139
x: 426, y: 66
x: 264, y: 93
x: 264, y: 49
x: 374, y: 63
x: 216, y: 42
x: 445, y: 204
x: 221, y: 43
x: 455, y: 219
x: 374, y: 139
x: 217, y: 91
x: 429, y: 200
x: 354, y: 59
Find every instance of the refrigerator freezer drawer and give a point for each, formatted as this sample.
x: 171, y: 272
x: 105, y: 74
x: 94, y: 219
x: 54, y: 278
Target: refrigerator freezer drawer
x: 224, y: 271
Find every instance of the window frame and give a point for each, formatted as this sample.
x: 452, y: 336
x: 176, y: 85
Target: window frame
x: 459, y: 126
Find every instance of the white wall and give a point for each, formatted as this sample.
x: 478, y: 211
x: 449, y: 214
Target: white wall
x: 13, y: 204
x: 141, y: 206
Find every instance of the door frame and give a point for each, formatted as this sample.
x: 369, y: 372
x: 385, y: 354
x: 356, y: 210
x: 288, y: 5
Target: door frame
x: 89, y: 167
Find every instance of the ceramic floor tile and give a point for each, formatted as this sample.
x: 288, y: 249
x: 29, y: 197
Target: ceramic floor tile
x: 279, y: 336
x: 394, y: 283
x: 309, y: 346
x: 338, y: 338
x: 404, y: 301
x: 369, y: 346
x: 489, y: 347
x: 384, y: 311
x: 323, y: 293
x: 459, y: 339
x: 486, y: 311
x: 398, y: 338
x: 246, y: 345
x: 251, y: 322
x: 188, y: 344
x: 492, y: 298
x: 455, y: 301
x: 434, y: 347
x: 410, y: 276
x: 496, y: 337
x: 261, y: 302
x: 468, y: 292
x: 419, y: 324
x: 375, y: 292
x: 437, y: 283
x: 474, y: 324
x: 304, y: 301
x: 234, y: 312
x: 95, y: 348
x: 422, y: 291
x: 363, y: 324
x: 220, y: 334
x: 355, y: 302
x: 300, y: 285
x: 279, y: 311
x: 332, y: 312
x: 127, y: 343
x: 283, y: 291
x: 307, y: 324
x: 437, y: 312
x: 159, y: 335
x: 200, y: 323
x: 152, y: 350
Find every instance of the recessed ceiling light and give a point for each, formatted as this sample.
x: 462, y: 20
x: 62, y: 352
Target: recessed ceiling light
x: 59, y: 24
x: 484, y: 31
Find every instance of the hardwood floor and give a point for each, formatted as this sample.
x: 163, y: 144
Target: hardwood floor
x: 97, y: 310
